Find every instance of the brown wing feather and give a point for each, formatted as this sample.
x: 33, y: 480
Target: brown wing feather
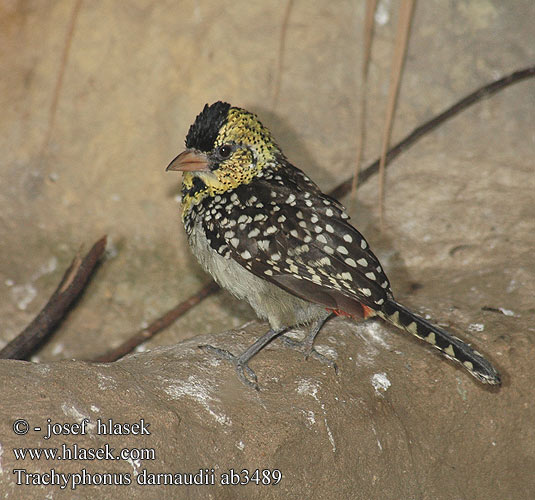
x: 283, y: 229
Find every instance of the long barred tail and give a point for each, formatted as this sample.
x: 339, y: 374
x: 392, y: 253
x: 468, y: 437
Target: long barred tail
x: 450, y: 346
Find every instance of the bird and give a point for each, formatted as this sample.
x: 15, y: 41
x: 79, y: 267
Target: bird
x: 268, y: 234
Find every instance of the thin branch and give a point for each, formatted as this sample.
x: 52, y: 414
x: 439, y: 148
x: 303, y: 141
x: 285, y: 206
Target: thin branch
x: 402, y: 37
x: 71, y: 286
x: 368, y: 35
x: 282, y: 45
x: 419, y: 132
x: 163, y: 322
x: 61, y: 73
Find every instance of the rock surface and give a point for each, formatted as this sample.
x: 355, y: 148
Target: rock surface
x: 396, y: 422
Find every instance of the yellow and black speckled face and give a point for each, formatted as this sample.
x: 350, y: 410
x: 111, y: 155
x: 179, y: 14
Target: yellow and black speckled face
x: 234, y: 147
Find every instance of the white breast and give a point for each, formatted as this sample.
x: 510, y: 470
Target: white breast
x: 269, y: 301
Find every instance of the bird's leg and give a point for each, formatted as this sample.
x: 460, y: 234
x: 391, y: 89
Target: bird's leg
x: 307, y: 344
x: 241, y: 362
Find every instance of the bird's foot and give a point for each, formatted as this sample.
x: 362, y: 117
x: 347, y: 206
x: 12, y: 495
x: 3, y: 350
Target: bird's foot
x: 241, y: 366
x: 306, y: 347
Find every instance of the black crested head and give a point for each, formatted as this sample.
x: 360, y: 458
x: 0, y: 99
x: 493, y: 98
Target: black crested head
x: 203, y: 133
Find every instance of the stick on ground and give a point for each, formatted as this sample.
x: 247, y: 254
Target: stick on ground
x: 163, y: 322
x: 71, y: 286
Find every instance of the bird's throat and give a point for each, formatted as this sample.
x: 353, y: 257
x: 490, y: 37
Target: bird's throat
x: 194, y: 190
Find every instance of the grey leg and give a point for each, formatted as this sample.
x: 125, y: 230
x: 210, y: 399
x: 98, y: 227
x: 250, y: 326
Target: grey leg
x: 241, y: 362
x: 307, y: 344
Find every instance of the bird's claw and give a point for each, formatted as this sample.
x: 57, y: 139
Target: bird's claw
x: 306, y: 347
x: 242, y: 367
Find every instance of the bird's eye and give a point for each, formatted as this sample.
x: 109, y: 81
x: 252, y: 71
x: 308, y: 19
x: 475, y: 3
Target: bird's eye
x: 224, y: 151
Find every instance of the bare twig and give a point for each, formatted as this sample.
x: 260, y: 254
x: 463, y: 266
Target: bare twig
x: 71, y: 286
x: 402, y: 36
x: 368, y: 35
x: 61, y: 73
x: 282, y: 45
x: 158, y: 325
x: 476, y: 96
